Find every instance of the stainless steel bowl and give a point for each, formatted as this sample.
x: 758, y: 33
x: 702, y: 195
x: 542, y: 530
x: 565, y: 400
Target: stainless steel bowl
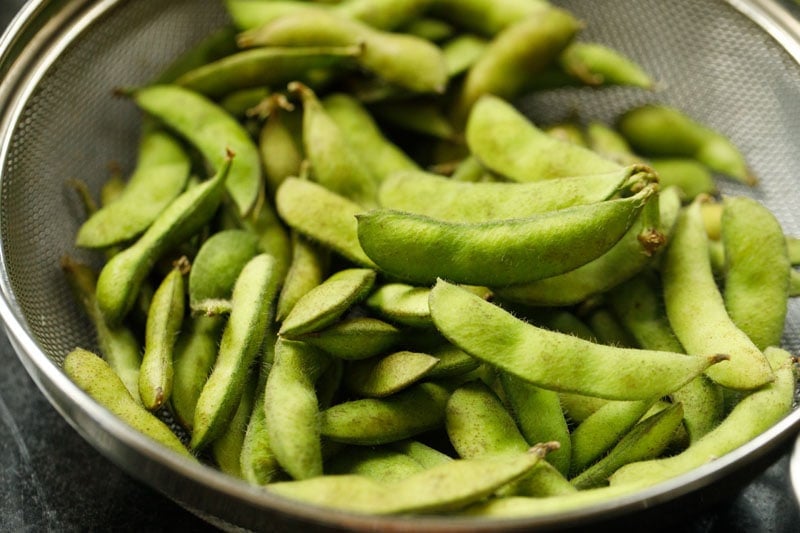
x: 734, y: 64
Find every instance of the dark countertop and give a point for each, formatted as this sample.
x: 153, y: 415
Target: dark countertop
x: 53, y: 480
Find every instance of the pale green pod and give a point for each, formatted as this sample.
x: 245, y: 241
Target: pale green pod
x: 383, y: 14
x: 609, y: 143
x: 753, y: 415
x: 419, y: 249
x: 324, y: 304
x: 597, y: 64
x: 639, y: 305
x: 794, y: 284
x: 429, y: 28
x: 112, y: 188
x: 485, y: 18
x: 793, y: 249
x: 89, y: 372
x: 517, y: 54
x: 386, y: 375
x: 410, y: 412
x: 241, y: 103
x: 212, y: 131
x: 402, y: 304
x: 540, y: 418
x: 356, y: 338
x: 463, y: 51
x: 661, y: 130
x: 608, y: 329
x: 646, y: 440
x: 249, y: 14
x: 308, y: 269
x: 602, y: 430
x: 567, y: 132
x: 120, y: 279
x: 577, y: 407
x: 757, y: 270
x: 118, y: 345
x: 251, y: 312
x: 385, y: 54
x: 216, y: 45
x: 164, y: 320
x: 281, y: 155
x: 637, y: 249
x: 507, y: 142
x: 690, y: 291
x: 291, y: 408
x: 271, y: 67
x: 444, y: 488
x: 215, y: 268
x: 227, y: 448
x: 336, y: 163
x: 363, y: 135
x: 273, y: 238
x: 415, y: 115
x: 422, y: 453
x: 322, y: 216
x: 382, y: 464
x: 554, y: 360
x: 691, y: 177
x: 195, y: 353
x: 159, y: 177
x: 258, y: 462
x: 452, y: 362
x: 463, y: 201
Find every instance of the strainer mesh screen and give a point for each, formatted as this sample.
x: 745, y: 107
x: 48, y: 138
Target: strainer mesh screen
x: 714, y: 63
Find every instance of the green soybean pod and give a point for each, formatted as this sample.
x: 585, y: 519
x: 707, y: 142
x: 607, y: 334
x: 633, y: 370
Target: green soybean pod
x: 163, y: 324
x: 597, y: 64
x: 273, y: 238
x: 609, y: 143
x: 160, y: 176
x: 271, y: 67
x: 423, y: 454
x: 429, y: 28
x: 362, y: 133
x: 122, y: 276
x: 462, y: 201
x: 661, y: 130
x: 383, y: 376
x: 646, y: 440
x: 216, y: 45
x: 325, y: 303
x: 249, y: 14
x: 402, y: 304
x: 291, y: 408
x: 419, y: 249
x: 213, y: 131
x: 444, y: 488
x: 227, y: 449
x: 507, y: 142
x: 400, y: 416
x: 518, y: 53
x: 383, y: 14
x: 753, y: 415
x: 793, y: 249
x: 336, y: 164
x: 554, y: 360
x: 463, y: 51
x: 308, y: 269
x: 258, y: 462
x: 415, y: 115
x: 215, y: 269
x: 691, y: 177
x: 118, y: 345
x: 485, y: 17
x: 195, y: 353
x: 794, y: 284
x: 380, y: 463
x: 323, y: 216
x: 540, y: 418
x: 356, y: 338
x: 89, y: 372
x: 281, y: 154
x: 757, y: 270
x: 251, y: 312
x: 242, y: 102
x: 691, y: 292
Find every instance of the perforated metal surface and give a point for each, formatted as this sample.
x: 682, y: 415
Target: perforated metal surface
x: 712, y: 61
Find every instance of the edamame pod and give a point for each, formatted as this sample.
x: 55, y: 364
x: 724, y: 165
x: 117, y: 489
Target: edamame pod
x: 485, y: 17
x: 118, y: 345
x: 403, y: 60
x: 272, y: 67
x: 461, y: 201
x: 660, y: 130
x: 216, y: 267
x: 160, y: 176
x: 696, y: 309
x: 554, y: 360
x: 249, y: 14
x: 251, y: 312
x: 420, y: 249
x: 463, y: 51
x: 291, y: 408
x: 213, y: 131
x: 597, y: 64
x: 325, y: 303
x: 89, y: 372
x: 217, y: 45
x: 384, y: 376
x: 505, y: 141
x: 756, y: 270
x: 322, y: 216
x: 691, y: 177
x: 753, y: 415
x: 121, y: 277
x: 227, y: 449
x: 281, y: 154
x: 356, y: 338
x: 447, y: 487
x: 517, y: 54
x: 381, y: 464
x: 419, y: 115
x: 402, y: 304
x: 163, y: 324
x: 308, y: 269
x: 400, y: 416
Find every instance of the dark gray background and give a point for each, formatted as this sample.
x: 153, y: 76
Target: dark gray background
x: 52, y: 480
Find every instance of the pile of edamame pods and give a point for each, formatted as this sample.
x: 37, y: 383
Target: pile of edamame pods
x: 357, y: 275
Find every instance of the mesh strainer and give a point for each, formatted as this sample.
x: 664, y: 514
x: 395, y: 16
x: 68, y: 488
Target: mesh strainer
x: 732, y: 64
